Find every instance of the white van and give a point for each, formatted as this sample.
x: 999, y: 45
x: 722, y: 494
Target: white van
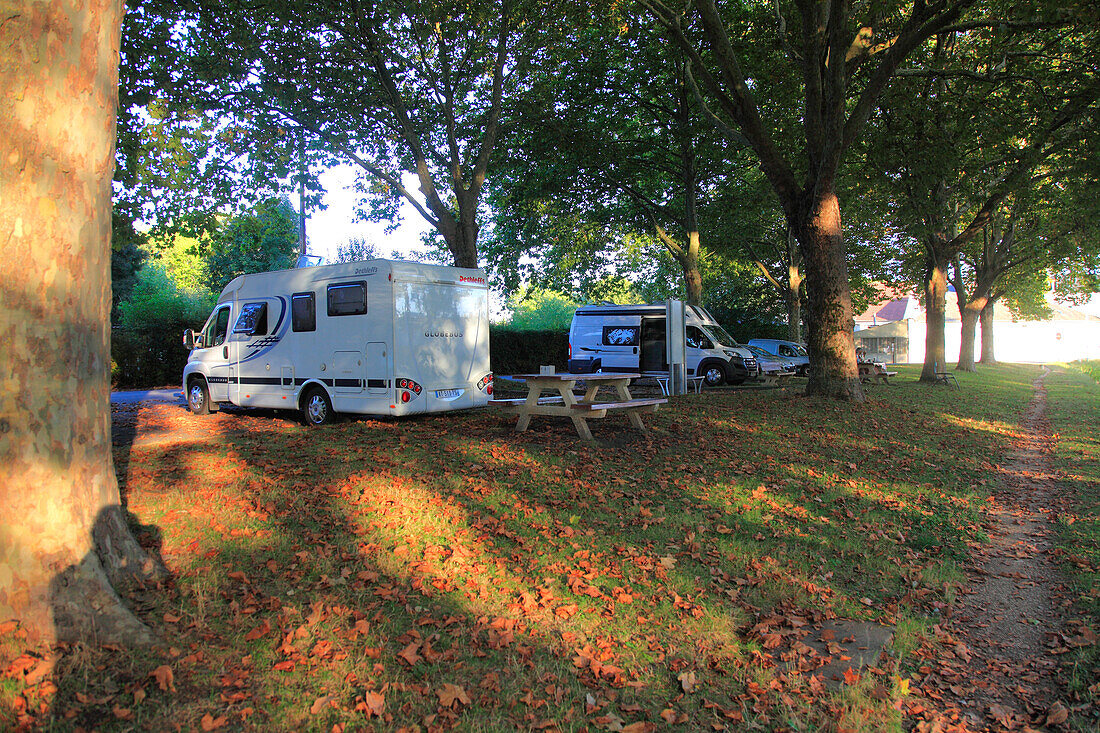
x: 375, y: 337
x: 631, y: 338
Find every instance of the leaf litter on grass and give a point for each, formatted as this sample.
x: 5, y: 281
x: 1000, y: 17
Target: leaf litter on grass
x: 444, y: 571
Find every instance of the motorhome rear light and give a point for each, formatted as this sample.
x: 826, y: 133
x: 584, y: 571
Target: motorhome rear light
x: 405, y: 396
x: 489, y: 389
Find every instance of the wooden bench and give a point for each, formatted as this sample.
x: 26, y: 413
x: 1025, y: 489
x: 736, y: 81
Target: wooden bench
x: 644, y: 402
x: 523, y: 401
x: 773, y: 379
x: 875, y: 372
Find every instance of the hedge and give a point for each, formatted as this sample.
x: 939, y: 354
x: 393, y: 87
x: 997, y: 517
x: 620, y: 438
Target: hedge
x: 517, y: 352
x: 148, y: 358
x: 155, y: 358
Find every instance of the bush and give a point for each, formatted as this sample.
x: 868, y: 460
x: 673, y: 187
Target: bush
x: 147, y: 348
x: 537, y: 309
x: 515, y: 351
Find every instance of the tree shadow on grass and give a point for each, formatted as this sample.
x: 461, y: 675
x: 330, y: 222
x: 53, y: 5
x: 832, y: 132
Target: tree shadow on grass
x: 326, y: 577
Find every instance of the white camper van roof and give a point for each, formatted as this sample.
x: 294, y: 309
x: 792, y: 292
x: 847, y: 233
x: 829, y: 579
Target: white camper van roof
x: 640, y: 309
x: 304, y: 277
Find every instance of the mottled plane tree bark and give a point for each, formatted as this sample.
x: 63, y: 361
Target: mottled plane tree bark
x: 64, y: 542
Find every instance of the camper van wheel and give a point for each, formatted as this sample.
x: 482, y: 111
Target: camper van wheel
x: 714, y: 375
x: 198, y: 397
x: 317, y: 408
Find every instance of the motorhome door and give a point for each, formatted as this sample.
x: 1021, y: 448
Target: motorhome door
x: 652, y: 357
x: 215, y: 353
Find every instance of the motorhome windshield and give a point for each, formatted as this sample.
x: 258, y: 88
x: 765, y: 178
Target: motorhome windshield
x: 717, y: 333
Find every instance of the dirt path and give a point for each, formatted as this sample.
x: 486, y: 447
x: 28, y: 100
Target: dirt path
x: 995, y: 670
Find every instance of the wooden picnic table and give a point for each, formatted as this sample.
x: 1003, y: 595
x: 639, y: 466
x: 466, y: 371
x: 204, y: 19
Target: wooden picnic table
x: 566, y: 404
x: 870, y: 371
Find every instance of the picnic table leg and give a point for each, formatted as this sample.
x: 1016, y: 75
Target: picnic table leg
x: 580, y: 423
x: 525, y: 415
x: 635, y: 419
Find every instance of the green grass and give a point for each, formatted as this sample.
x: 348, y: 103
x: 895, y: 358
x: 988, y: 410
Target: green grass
x: 1074, y: 412
x: 558, y: 584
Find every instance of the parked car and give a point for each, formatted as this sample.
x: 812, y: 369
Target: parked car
x: 773, y: 368
x: 787, y: 349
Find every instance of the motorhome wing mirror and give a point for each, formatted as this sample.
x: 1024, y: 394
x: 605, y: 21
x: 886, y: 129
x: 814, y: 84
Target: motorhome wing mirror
x: 189, y: 339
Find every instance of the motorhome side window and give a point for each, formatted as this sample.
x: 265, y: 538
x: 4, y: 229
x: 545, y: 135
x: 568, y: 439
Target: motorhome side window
x: 219, y: 326
x: 696, y: 339
x: 303, y: 312
x: 620, y: 335
x: 347, y: 299
x: 252, y: 320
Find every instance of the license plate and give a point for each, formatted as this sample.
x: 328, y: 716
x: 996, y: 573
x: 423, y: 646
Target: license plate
x: 448, y: 394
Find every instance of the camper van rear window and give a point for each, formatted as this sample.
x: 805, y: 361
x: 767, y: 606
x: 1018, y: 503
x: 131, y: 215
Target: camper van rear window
x: 253, y: 319
x: 620, y: 335
x: 347, y: 299
x: 303, y: 312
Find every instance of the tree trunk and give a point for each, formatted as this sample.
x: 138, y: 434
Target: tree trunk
x: 463, y: 242
x: 833, y: 369
x: 689, y: 263
x: 969, y: 315
x: 986, y: 319
x: 935, y: 312
x: 794, y: 315
x: 65, y: 537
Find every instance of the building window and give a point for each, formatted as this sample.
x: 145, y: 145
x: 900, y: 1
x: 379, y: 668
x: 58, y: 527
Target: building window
x: 347, y: 299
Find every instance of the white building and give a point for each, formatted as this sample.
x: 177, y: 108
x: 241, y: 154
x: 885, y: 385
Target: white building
x: 893, y: 331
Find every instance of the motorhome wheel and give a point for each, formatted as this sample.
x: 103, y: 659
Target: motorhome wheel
x: 714, y: 375
x: 317, y: 408
x: 198, y: 397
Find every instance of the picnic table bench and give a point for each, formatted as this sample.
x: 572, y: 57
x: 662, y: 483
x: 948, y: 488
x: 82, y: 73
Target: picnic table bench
x: 566, y: 404
x: 775, y: 379
x: 872, y: 372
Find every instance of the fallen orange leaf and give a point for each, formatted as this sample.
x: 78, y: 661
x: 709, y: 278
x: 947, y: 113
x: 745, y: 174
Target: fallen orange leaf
x: 209, y: 722
x: 450, y: 694
x: 409, y: 654
x: 165, y: 678
x: 375, y: 703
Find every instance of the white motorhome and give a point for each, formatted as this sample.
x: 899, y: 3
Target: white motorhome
x: 375, y: 337
x: 631, y: 338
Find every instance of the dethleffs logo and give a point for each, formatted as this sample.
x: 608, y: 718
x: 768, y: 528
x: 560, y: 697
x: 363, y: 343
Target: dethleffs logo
x: 466, y: 279
x: 443, y: 334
